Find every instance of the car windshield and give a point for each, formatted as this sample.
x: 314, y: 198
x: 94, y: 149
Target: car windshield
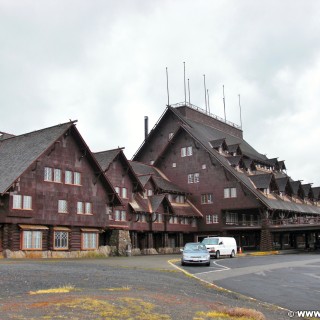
x: 194, y: 247
x: 210, y: 241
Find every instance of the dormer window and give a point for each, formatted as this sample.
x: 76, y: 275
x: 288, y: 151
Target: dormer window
x: 186, y: 151
x: 170, y: 135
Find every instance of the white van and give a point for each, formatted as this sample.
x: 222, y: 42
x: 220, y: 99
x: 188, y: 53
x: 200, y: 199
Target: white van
x: 221, y: 246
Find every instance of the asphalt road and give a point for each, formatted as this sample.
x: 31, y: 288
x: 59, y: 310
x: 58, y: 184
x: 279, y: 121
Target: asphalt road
x: 145, y: 287
x: 291, y: 281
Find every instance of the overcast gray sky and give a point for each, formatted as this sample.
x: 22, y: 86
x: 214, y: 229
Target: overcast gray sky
x: 103, y: 63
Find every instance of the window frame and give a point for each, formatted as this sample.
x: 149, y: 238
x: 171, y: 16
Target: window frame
x: 34, y: 240
x: 55, y: 233
x: 93, y: 238
x: 65, y: 205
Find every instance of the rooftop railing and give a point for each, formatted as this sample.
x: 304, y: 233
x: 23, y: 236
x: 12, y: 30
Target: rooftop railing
x: 192, y: 106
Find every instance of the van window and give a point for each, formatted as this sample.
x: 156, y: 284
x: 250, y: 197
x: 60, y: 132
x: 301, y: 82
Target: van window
x: 210, y: 241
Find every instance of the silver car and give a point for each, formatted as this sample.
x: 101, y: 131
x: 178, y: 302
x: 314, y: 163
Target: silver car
x: 195, y: 253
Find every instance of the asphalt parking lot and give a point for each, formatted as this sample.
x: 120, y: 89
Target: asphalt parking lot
x: 290, y: 281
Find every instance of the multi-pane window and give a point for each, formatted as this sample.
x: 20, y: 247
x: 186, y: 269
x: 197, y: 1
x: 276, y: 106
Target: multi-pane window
x: 193, y: 177
x: 117, y: 190
x: 206, y: 198
x: 89, y: 240
x: 143, y: 218
x: 84, y: 207
x: 47, y: 174
x: 22, y: 202
x: 68, y: 177
x: 212, y: 218
x: 31, y: 240
x: 61, y: 239
x: 183, y: 152
x: 230, y: 192
x: 62, y: 206
x: 232, y: 218
x: 77, y: 178
x: 56, y: 175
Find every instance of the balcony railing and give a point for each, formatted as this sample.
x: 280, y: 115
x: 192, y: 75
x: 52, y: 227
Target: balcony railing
x: 243, y: 223
x: 296, y: 221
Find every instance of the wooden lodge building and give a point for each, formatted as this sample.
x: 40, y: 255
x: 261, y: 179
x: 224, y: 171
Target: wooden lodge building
x: 193, y: 176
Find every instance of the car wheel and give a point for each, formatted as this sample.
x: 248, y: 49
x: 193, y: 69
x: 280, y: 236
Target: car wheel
x: 182, y: 263
x: 233, y: 254
x: 208, y: 264
x: 217, y: 254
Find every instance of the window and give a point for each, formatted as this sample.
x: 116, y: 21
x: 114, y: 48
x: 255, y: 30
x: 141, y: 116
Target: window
x: 79, y: 207
x: 193, y: 177
x: 189, y: 151
x: 31, y: 240
x: 77, y: 178
x: 186, y: 151
x: 150, y: 192
x: 123, y: 215
x: 206, y: 198
x: 194, y: 223
x: 174, y: 165
x: 47, y: 174
x: 89, y: 240
x: 22, y: 202
x: 124, y: 193
x: 204, y: 166
x: 68, y: 177
x: 230, y: 192
x: 62, y: 206
x: 88, y: 208
x: 180, y: 199
x: 170, y: 135
x: 117, y: 215
x: 117, y: 190
x: 143, y: 218
x: 61, y: 240
x: 231, y: 218
x: 212, y: 218
x: 56, y: 175
x: 151, y: 162
x: 27, y: 203
x: 160, y: 218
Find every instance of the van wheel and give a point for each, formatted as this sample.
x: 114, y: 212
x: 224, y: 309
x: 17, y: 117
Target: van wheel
x: 217, y: 254
x: 233, y: 254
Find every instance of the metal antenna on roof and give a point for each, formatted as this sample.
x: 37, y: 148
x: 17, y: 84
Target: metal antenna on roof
x: 184, y: 83
x: 205, y: 90
x: 167, y: 86
x: 224, y: 104
x: 240, y: 112
x: 189, y: 91
x: 208, y: 101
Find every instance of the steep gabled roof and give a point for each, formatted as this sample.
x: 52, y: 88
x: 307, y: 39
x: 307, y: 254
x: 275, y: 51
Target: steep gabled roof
x: 217, y: 143
x: 316, y: 193
x: 234, y: 148
x: 283, y: 183
x: 307, y: 190
x: 143, y: 169
x: 261, y: 181
x: 167, y: 186
x: 282, y: 165
x: 186, y: 210
x: 18, y: 153
x: 105, y: 158
x: 234, y: 160
x: 297, y: 188
x: 4, y: 135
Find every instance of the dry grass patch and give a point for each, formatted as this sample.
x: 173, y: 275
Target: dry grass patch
x: 120, y: 309
x: 230, y: 314
x: 64, y: 289
x: 117, y: 289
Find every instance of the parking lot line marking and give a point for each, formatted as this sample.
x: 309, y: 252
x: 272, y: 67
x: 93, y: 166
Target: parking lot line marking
x: 220, y: 265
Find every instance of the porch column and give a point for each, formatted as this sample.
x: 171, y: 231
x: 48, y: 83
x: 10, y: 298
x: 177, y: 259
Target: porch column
x: 165, y: 240
x: 150, y: 240
x: 180, y: 240
x: 266, y: 236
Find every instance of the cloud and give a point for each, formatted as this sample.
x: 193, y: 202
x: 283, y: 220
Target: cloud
x: 103, y: 63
